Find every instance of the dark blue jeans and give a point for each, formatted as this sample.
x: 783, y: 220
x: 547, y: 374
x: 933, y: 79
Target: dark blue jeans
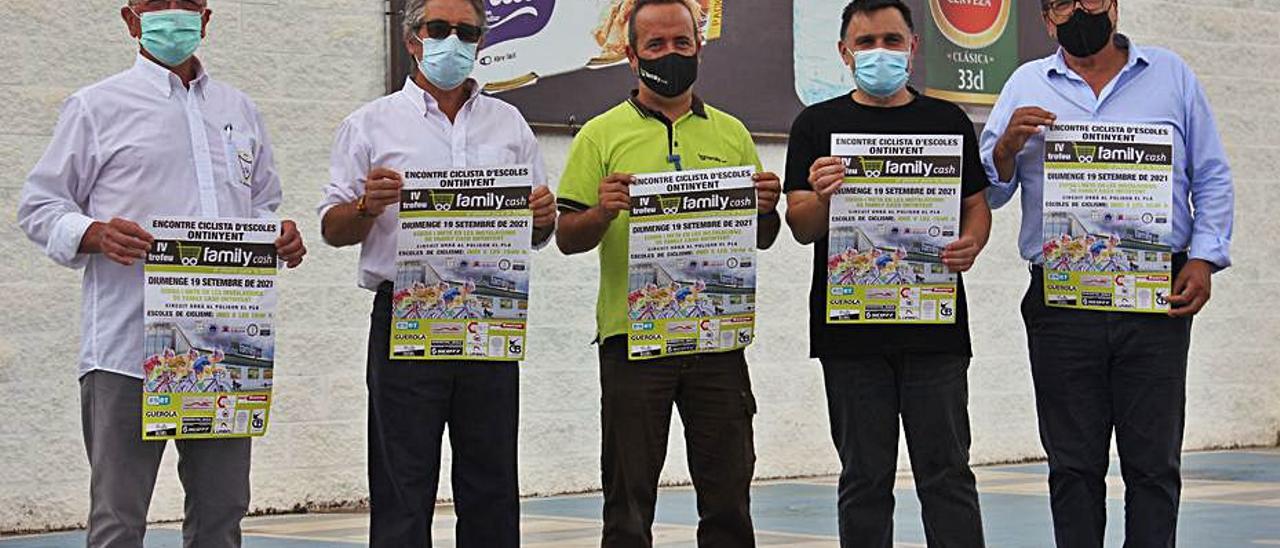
x: 865, y: 397
x: 410, y: 402
x: 1099, y: 372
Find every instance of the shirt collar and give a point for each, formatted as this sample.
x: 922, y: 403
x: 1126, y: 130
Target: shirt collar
x: 1058, y: 63
x: 164, y: 80
x: 424, y: 102
x: 698, y: 108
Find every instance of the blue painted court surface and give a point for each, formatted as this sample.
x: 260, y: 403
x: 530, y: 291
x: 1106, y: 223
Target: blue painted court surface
x: 1229, y: 498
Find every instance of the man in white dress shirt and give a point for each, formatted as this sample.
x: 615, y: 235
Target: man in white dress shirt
x: 152, y: 140
x: 438, y: 120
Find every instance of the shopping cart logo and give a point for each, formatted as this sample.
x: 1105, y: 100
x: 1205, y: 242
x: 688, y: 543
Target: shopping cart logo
x: 442, y: 201
x: 1085, y: 153
x: 870, y: 167
x: 670, y: 204
x: 189, y: 255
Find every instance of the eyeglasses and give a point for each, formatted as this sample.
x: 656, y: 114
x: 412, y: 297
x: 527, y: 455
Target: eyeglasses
x: 438, y: 29
x: 1062, y: 10
x: 189, y: 5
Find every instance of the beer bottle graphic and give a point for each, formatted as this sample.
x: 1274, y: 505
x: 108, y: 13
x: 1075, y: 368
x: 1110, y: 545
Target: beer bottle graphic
x: 973, y: 49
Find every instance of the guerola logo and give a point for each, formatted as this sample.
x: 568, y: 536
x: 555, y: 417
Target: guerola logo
x: 512, y: 19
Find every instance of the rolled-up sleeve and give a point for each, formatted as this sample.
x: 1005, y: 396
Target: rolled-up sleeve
x: 52, y: 207
x: 267, y: 193
x: 348, y: 167
x: 1000, y: 192
x: 1212, y: 193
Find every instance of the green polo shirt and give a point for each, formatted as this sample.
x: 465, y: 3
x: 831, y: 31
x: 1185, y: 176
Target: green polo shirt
x: 630, y: 138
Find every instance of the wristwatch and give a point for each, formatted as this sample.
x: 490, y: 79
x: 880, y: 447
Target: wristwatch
x: 362, y: 209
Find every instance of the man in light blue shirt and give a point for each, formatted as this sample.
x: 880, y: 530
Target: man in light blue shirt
x: 1097, y: 371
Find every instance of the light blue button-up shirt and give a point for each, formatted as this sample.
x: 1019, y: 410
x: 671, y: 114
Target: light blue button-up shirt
x: 1154, y: 87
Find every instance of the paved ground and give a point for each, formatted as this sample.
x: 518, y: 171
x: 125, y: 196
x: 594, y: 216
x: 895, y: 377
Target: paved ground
x: 1229, y: 498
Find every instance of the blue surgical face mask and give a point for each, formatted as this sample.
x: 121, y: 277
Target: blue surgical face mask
x: 448, y: 62
x: 881, y: 72
x: 171, y: 36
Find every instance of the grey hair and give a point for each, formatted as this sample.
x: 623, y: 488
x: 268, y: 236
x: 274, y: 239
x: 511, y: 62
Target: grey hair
x: 414, y: 10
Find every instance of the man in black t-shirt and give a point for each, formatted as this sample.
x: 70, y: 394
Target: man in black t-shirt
x: 874, y: 373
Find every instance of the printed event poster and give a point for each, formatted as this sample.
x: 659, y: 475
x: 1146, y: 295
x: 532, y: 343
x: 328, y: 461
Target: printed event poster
x: 897, y: 210
x: 210, y: 327
x: 972, y: 49
x: 692, y: 274
x: 1108, y: 201
x: 529, y: 39
x: 462, y: 264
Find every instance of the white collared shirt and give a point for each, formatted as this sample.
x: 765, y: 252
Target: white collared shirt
x: 125, y: 147
x: 407, y: 130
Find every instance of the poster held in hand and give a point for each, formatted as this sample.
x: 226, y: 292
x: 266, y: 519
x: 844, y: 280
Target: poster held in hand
x: 692, y: 262
x: 890, y: 220
x: 1108, y: 205
x: 210, y: 301
x: 462, y: 264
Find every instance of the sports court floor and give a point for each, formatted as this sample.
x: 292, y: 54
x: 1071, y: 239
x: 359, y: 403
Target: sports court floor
x: 1229, y: 498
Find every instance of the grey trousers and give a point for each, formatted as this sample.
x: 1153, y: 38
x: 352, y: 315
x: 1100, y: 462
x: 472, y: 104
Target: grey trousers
x: 123, y: 467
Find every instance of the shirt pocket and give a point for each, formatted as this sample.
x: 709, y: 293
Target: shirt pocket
x: 239, y: 156
x: 239, y: 151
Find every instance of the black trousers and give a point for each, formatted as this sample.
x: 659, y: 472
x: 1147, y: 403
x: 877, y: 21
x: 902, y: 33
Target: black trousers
x: 1096, y: 372
x: 865, y: 397
x: 410, y: 402
x: 713, y: 394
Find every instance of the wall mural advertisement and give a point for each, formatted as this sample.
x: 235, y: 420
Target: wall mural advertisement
x: 973, y: 49
x: 531, y: 39
x: 562, y: 62
x: 969, y: 49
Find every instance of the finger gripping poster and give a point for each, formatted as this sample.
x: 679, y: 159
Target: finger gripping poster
x: 898, y: 208
x: 462, y: 264
x: 692, y: 270
x: 210, y: 328
x: 1108, y: 205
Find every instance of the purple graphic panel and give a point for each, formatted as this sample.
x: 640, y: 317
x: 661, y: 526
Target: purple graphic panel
x: 512, y: 19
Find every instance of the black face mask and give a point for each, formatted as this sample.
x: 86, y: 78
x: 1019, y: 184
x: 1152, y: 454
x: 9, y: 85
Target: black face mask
x: 1085, y: 33
x: 669, y: 75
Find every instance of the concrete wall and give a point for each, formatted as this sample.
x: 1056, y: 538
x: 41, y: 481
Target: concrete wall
x: 310, y: 62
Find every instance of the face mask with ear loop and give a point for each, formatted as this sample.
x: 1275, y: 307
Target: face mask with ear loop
x: 171, y: 36
x: 670, y: 75
x: 880, y: 72
x: 1085, y: 34
x: 447, y: 62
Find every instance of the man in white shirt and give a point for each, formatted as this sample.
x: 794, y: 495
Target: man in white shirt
x: 438, y: 120
x: 153, y: 140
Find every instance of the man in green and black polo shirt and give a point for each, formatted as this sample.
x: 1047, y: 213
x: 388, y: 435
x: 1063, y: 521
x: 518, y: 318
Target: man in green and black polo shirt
x: 663, y: 127
x: 874, y: 373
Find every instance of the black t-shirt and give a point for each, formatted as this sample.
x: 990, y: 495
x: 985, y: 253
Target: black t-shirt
x: 810, y: 140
